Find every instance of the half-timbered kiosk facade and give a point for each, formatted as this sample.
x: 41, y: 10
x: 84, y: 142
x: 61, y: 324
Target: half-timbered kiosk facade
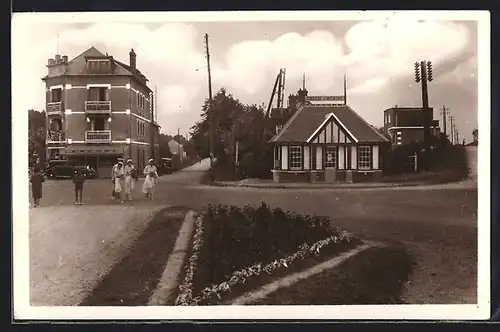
x: 327, y: 142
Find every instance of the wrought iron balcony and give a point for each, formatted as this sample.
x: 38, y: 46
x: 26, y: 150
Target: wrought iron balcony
x: 98, y: 136
x: 54, y: 108
x: 55, y: 136
x: 98, y: 106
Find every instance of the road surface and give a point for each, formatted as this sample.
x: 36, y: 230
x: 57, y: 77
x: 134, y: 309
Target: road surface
x: 439, y: 223
x: 72, y: 247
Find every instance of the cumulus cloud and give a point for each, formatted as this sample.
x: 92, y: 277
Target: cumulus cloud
x: 373, y: 54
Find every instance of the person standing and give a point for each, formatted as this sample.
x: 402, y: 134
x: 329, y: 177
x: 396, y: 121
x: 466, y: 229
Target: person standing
x: 113, y: 176
x: 130, y: 173
x: 78, y: 180
x: 36, y: 180
x: 119, y: 175
x: 151, y: 174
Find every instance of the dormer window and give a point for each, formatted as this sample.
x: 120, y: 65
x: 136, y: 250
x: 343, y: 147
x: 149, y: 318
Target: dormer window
x: 98, y: 65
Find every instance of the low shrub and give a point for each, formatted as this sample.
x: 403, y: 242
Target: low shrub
x: 235, y: 238
x: 447, y: 162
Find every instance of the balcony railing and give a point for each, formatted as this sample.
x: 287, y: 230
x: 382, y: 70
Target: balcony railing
x: 55, y: 136
x: 54, y: 108
x: 98, y: 136
x: 98, y: 106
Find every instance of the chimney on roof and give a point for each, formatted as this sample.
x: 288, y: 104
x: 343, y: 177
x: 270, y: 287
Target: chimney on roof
x: 57, y: 66
x: 133, y: 59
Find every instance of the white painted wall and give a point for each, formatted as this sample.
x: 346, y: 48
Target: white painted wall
x: 341, y: 158
x: 354, y: 157
x: 284, y: 157
x: 375, y: 157
x: 307, y: 158
x: 319, y: 157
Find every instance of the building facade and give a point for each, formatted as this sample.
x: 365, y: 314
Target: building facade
x: 327, y: 143
x: 405, y: 125
x: 99, y: 109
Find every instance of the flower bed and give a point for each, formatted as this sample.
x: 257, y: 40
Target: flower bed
x: 236, y: 250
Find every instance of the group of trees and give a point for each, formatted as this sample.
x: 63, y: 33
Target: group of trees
x: 234, y: 122
x: 36, y: 136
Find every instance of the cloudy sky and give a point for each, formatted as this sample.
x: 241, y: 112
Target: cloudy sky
x: 377, y: 57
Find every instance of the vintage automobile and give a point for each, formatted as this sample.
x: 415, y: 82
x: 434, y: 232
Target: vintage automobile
x: 165, y: 166
x: 58, y: 169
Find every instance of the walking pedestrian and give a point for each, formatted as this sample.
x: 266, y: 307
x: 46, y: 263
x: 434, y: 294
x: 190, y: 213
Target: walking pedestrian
x: 78, y: 180
x: 151, y: 174
x: 36, y: 180
x: 130, y: 174
x: 113, y: 195
x: 119, y: 175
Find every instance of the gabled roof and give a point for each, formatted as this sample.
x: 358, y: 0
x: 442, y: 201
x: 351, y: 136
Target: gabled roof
x: 406, y: 108
x: 309, y: 118
x: 78, y: 65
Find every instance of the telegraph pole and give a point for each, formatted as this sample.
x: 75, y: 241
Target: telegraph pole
x: 423, y: 74
x: 444, y: 112
x: 452, y: 130
x: 210, y: 103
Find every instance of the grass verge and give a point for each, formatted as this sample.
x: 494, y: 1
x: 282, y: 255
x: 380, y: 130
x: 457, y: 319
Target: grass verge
x: 374, y: 276
x: 133, y: 279
x: 235, y: 239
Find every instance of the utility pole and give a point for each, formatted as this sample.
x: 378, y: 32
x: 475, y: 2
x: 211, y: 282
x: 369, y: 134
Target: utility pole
x: 423, y: 74
x: 151, y: 127
x: 452, y: 130
x: 210, y: 102
x: 444, y: 113
x: 457, y: 141
x: 236, y: 163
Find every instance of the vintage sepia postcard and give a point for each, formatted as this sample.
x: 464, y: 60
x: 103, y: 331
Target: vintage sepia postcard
x: 251, y: 165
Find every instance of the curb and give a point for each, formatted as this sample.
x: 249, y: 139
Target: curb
x: 168, y: 281
x: 287, y: 281
x: 258, y: 186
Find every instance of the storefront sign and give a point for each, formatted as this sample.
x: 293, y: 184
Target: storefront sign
x: 325, y: 98
x: 91, y: 150
x: 326, y: 105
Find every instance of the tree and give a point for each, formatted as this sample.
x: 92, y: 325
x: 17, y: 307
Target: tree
x: 36, y: 135
x: 245, y: 124
x: 225, y: 111
x: 475, y: 135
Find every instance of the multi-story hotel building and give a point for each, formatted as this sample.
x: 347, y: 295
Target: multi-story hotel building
x: 99, y: 109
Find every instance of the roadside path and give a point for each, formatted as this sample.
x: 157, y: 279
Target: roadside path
x: 72, y: 247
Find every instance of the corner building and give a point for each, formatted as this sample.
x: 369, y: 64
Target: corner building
x: 99, y: 109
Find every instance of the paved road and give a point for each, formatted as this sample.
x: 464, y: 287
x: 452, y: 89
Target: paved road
x: 72, y: 247
x: 439, y: 222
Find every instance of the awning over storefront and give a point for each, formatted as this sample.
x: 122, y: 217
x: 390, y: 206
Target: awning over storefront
x: 92, y: 150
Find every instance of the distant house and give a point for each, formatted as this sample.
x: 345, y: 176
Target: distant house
x: 326, y: 143
x: 405, y: 125
x: 177, y: 150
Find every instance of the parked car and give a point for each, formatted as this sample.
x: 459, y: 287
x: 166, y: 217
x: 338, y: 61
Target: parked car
x: 165, y: 166
x: 58, y: 169
x: 88, y: 171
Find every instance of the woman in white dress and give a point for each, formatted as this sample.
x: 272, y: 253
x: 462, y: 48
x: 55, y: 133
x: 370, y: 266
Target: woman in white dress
x: 119, y: 175
x: 151, y: 177
x: 129, y: 170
